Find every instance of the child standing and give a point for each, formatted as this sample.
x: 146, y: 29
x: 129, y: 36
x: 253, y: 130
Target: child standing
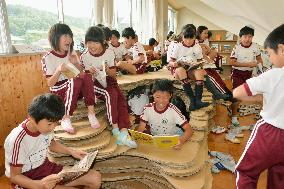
x: 139, y: 59
x: 264, y: 149
x: 97, y: 59
x: 27, y: 145
x: 54, y: 63
x: 162, y: 116
x: 244, y: 57
x: 119, y: 48
x: 191, y: 50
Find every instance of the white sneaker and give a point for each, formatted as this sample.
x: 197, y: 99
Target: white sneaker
x: 125, y: 139
x: 93, y: 121
x: 67, y: 126
x: 232, y: 138
x: 218, y: 130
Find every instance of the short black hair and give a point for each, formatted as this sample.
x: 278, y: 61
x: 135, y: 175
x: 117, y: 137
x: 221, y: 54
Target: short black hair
x: 246, y: 31
x: 188, y: 32
x: 189, y: 25
x: 275, y: 38
x: 128, y: 32
x: 107, y: 33
x: 163, y: 85
x: 170, y: 34
x: 115, y: 33
x: 47, y: 106
x: 152, y: 41
x: 209, y: 34
x: 199, y: 30
x: 95, y: 34
x: 55, y: 32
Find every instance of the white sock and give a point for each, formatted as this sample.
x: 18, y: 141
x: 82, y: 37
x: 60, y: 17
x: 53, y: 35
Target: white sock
x: 235, y: 119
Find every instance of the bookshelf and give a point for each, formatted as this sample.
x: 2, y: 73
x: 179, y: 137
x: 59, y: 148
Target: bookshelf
x: 224, y: 42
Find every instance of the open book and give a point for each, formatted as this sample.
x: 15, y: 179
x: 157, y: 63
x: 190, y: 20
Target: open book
x: 71, y: 71
x: 78, y: 169
x: 158, y: 141
x: 189, y: 64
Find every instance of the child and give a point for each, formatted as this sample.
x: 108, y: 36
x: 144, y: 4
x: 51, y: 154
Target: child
x: 264, y: 150
x: 119, y: 48
x: 162, y: 116
x: 244, y: 57
x: 27, y: 145
x: 213, y: 81
x: 54, y: 62
x: 139, y: 60
x: 93, y: 60
x: 189, y: 49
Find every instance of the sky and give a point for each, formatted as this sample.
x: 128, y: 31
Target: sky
x: 73, y: 8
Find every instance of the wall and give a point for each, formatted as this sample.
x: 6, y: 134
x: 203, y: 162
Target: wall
x: 186, y: 16
x: 20, y: 80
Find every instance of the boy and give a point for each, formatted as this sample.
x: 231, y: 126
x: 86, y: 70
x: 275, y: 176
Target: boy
x: 139, y: 59
x: 264, y: 149
x: 244, y: 57
x: 190, y: 50
x: 119, y: 48
x: 162, y: 116
x: 27, y: 145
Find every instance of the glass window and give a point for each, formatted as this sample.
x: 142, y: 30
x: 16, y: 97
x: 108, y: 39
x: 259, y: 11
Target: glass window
x: 171, y: 19
x: 122, y: 13
x: 30, y: 20
x: 77, y: 14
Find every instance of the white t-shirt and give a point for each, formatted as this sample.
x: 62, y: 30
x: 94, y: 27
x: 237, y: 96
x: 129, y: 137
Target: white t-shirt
x: 119, y: 50
x: 164, y: 122
x: 50, y: 61
x: 137, y: 50
x: 245, y: 54
x: 205, y: 42
x: 88, y: 60
x: 271, y: 85
x: 171, y: 49
x: 25, y: 149
x: 179, y: 50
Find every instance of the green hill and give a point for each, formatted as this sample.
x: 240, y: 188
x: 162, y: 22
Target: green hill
x: 33, y: 24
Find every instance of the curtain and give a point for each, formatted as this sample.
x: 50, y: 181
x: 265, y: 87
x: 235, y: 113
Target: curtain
x: 108, y: 13
x: 5, y: 37
x: 97, y: 12
x: 60, y: 11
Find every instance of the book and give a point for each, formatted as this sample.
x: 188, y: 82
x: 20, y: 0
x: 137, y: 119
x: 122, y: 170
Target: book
x: 189, y: 64
x: 215, y: 46
x: 158, y: 141
x: 71, y: 71
x: 78, y: 169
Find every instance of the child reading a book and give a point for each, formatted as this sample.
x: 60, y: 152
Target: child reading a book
x: 163, y: 117
x: 55, y: 64
x: 99, y: 61
x: 27, y: 145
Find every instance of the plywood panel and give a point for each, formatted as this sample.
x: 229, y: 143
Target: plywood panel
x: 20, y: 80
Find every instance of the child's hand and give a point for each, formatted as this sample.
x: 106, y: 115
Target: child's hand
x: 62, y: 67
x: 179, y: 145
x: 49, y: 182
x: 175, y: 64
x: 130, y: 61
x: 93, y: 70
x: 79, y: 154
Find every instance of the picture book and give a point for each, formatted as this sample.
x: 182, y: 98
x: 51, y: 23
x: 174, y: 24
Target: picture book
x: 71, y: 71
x: 158, y: 141
x: 78, y: 169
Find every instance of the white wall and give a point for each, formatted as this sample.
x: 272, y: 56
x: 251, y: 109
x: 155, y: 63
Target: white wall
x: 185, y: 16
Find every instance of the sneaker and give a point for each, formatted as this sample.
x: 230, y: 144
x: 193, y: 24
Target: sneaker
x: 67, y: 126
x: 93, y: 121
x: 232, y: 138
x: 115, y: 132
x: 237, y: 131
x: 218, y: 130
x: 125, y: 139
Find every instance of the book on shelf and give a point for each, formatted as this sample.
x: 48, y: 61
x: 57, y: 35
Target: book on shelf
x: 158, y: 141
x: 215, y: 46
x: 227, y: 48
x: 229, y: 36
x: 78, y: 169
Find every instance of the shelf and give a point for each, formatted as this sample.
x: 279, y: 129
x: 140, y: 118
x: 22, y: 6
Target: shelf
x: 224, y: 52
x: 223, y: 41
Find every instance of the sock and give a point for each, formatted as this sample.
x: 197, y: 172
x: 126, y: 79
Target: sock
x: 115, y: 132
x: 235, y: 119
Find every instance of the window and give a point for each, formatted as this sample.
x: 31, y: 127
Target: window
x: 77, y: 14
x: 172, y: 23
x: 122, y: 14
x: 30, y: 20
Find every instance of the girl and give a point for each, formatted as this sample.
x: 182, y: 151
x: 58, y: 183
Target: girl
x: 98, y: 59
x: 54, y: 63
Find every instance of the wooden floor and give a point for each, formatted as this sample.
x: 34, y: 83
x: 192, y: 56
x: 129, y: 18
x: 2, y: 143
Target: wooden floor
x: 225, y: 179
